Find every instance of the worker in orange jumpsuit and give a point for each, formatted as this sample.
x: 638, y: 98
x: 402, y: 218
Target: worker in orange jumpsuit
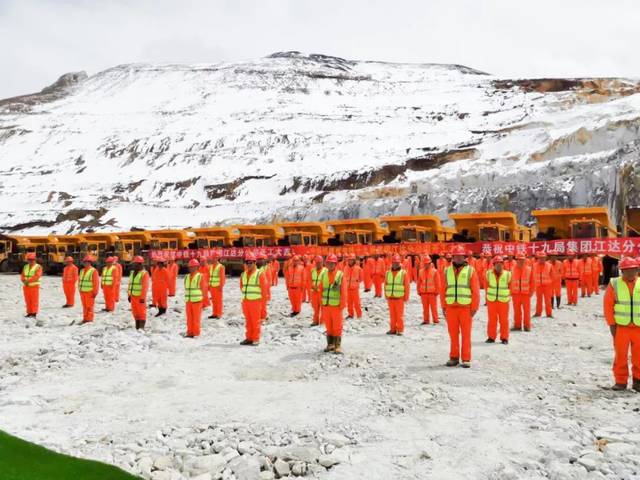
x: 543, y: 275
x: 172, y: 273
x: 69, y: 281
x: 428, y: 287
x: 379, y: 270
x: 275, y: 270
x: 89, y: 286
x: 572, y: 272
x: 482, y: 266
x: 597, y: 270
x: 461, y: 294
x: 263, y: 268
x: 558, y: 274
x: 498, y: 295
x: 117, y: 277
x: 369, y: 267
x: 253, y: 288
x: 160, y: 287
x: 108, y: 285
x: 295, y: 278
x: 217, y: 279
x: 353, y: 279
x: 333, y: 292
x: 522, y: 289
x: 396, y: 291
x: 137, y: 291
x: 308, y: 265
x: 195, y: 289
x: 407, y: 266
x: 204, y: 270
x: 314, y: 279
x: 442, y: 264
x: 622, y: 313
x: 30, y: 278
x: 586, y: 279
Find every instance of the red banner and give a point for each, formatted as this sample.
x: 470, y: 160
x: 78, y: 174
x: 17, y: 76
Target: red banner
x: 615, y: 247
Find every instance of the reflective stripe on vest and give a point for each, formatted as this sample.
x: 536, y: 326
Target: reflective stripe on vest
x: 498, y: 289
x: 458, y: 288
x: 331, y: 293
x: 192, y: 288
x: 107, y: 276
x: 316, y: 277
x: 522, y: 285
x: 86, y: 280
x: 29, y: 272
x: 214, y: 275
x: 394, y: 284
x: 353, y: 279
x: 428, y: 280
x: 251, y: 286
x: 135, y: 283
x: 627, y: 307
x: 571, y: 273
x: 544, y: 274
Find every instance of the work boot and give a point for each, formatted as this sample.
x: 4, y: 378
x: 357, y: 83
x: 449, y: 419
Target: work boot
x: 391, y: 332
x: 465, y: 364
x: 426, y: 323
x: 453, y: 362
x: 490, y: 340
x: 516, y: 329
x: 636, y: 384
x: 292, y: 314
x: 314, y: 324
x: 527, y: 329
x: 66, y: 306
x: 161, y: 312
x: 536, y: 315
x: 549, y: 316
x: 210, y: 317
x: 504, y: 341
x: 619, y: 386
x: 330, y: 344
x: 140, y: 324
x: 338, y: 342
x: 246, y: 342
x: 349, y: 317
x: 399, y: 333
x: 558, y: 302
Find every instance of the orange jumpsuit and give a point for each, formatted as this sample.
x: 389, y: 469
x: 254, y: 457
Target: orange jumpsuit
x: 482, y: 266
x: 313, y: 281
x: 522, y: 288
x: 216, y: 292
x: 369, y: 267
x: 31, y: 288
x: 139, y: 302
x: 204, y: 270
x: 117, y: 280
x: 172, y: 272
x: 597, y: 270
x: 159, y: 286
x: 428, y: 287
x: 543, y: 275
x: 252, y: 308
x: 353, y: 278
x: 497, y: 311
x: 332, y: 315
x: 396, y: 304
x: 572, y: 273
x: 558, y: 275
x: 442, y: 264
x: 88, y: 298
x: 275, y: 268
x: 109, y: 291
x: 295, y: 278
x: 379, y: 270
x: 407, y: 266
x: 626, y: 337
x: 459, y: 317
x: 266, y: 272
x: 307, y: 293
x: 194, y: 309
x: 69, y: 280
x: 586, y: 279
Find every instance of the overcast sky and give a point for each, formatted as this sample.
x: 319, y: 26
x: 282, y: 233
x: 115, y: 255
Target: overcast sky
x: 41, y: 39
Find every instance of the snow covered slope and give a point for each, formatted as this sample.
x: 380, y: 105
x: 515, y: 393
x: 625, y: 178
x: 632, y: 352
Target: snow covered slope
x: 294, y: 136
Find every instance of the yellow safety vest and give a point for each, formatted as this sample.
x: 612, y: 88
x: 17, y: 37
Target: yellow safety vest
x: 498, y: 289
x: 627, y: 306
x: 458, y: 289
x: 135, y: 283
x: 394, y: 284
x: 192, y: 290
x: 29, y: 272
x: 86, y: 280
x: 251, y: 286
x: 214, y: 275
x: 316, y: 278
x: 331, y: 293
x: 107, y: 276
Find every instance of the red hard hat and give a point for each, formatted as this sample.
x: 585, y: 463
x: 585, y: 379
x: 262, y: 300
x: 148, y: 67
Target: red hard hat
x: 571, y: 252
x: 396, y: 258
x: 332, y: 259
x: 459, y: 250
x: 115, y: 258
x: 498, y: 259
x: 318, y: 258
x: 541, y: 255
x: 194, y: 263
x: 552, y: 252
x: 138, y: 259
x: 68, y: 259
x: 352, y: 256
x: 87, y: 258
x: 521, y: 256
x: 249, y: 257
x: 627, y: 262
x: 110, y: 260
x: 447, y: 256
x: 214, y: 255
x: 426, y: 259
x: 261, y: 256
x: 31, y: 256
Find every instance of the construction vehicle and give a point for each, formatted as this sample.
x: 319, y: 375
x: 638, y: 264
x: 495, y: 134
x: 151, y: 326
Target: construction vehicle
x: 489, y: 227
x: 212, y: 237
x: 130, y: 244
x: 417, y: 229
x: 631, y: 222
x: 359, y: 231
x: 28, y: 244
x: 564, y: 223
x: 258, y: 235
x: 8, y: 246
x: 305, y: 233
x: 170, y: 239
x: 59, y: 248
x: 98, y: 245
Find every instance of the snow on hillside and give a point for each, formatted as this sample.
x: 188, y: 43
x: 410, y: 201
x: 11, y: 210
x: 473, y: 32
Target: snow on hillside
x: 294, y: 136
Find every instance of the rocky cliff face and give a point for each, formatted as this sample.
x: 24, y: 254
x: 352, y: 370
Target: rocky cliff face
x: 294, y: 136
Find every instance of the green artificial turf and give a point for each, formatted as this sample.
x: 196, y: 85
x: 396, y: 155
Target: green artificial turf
x: 21, y: 460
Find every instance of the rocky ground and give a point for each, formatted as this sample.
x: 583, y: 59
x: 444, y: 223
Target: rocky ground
x: 166, y: 407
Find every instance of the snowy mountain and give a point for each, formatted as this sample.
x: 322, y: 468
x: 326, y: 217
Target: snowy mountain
x: 295, y: 136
